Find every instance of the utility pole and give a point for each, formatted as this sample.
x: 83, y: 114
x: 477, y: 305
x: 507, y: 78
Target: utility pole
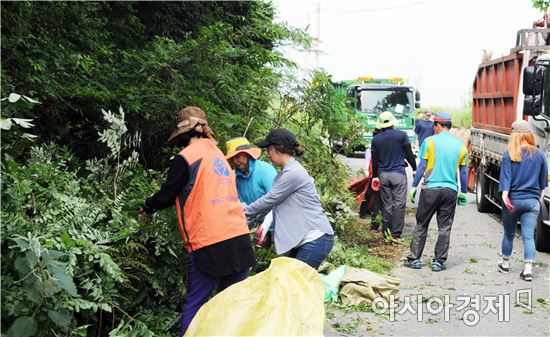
x: 317, y: 34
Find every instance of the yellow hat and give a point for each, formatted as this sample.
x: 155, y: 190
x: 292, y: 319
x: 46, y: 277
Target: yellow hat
x: 241, y: 144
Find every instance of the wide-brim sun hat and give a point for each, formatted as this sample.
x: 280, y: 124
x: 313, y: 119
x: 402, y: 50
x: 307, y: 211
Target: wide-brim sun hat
x: 241, y: 145
x: 385, y: 120
x: 191, y: 118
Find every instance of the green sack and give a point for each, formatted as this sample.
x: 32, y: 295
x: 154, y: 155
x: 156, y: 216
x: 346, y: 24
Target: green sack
x: 332, y: 283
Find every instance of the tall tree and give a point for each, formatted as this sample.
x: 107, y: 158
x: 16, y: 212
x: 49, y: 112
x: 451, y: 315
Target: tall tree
x: 152, y: 58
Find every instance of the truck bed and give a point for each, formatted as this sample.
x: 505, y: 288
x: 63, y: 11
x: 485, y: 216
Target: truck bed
x: 495, y: 94
x: 488, y: 145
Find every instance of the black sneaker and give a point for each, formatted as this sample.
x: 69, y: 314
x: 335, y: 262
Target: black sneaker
x: 502, y: 269
x: 526, y: 276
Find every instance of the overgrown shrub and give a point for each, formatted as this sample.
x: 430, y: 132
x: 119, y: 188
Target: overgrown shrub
x: 75, y: 259
x: 318, y: 116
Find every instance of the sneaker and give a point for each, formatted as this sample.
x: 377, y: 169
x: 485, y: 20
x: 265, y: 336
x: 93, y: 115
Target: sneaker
x: 414, y: 264
x: 438, y: 266
x: 526, y: 276
x: 502, y: 269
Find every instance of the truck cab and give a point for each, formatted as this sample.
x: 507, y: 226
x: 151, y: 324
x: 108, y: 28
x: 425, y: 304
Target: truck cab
x: 371, y: 96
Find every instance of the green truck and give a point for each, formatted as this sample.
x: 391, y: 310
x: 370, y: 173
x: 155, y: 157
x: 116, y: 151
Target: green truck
x: 370, y: 96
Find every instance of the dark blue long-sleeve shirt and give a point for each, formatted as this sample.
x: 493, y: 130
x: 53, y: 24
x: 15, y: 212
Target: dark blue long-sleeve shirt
x: 389, y: 150
x: 526, y: 179
x: 423, y: 129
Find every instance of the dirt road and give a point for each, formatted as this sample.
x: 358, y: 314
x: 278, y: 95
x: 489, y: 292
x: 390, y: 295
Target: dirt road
x: 471, y: 276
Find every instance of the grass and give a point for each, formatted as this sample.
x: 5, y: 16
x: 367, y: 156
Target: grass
x: 348, y: 327
x: 359, y: 257
x: 360, y: 247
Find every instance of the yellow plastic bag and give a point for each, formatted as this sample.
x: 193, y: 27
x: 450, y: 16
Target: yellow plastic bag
x: 284, y: 300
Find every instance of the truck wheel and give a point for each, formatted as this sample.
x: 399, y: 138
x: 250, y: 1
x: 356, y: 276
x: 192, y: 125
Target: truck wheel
x: 542, y: 231
x: 482, y: 188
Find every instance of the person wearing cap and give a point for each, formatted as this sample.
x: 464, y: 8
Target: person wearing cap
x: 254, y: 176
x: 201, y: 185
x: 442, y: 156
x: 424, y: 127
x: 523, y: 178
x: 389, y: 149
x: 302, y: 229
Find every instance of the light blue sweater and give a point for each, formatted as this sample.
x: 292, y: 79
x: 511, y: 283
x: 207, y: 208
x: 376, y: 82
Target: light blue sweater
x: 258, y: 181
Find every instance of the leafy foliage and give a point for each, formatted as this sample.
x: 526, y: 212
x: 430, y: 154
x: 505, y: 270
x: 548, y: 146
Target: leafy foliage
x: 75, y: 259
x: 541, y: 5
x: 151, y: 57
x: 14, y: 122
x: 319, y: 116
x: 74, y: 254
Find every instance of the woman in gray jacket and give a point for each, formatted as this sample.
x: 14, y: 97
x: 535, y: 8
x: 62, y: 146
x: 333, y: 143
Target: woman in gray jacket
x: 302, y: 229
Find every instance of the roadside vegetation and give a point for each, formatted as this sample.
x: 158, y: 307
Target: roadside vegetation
x: 89, y: 95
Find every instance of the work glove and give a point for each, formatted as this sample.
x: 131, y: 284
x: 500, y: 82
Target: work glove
x: 375, y: 184
x: 462, y: 199
x: 412, y: 195
x: 508, y: 204
x: 145, y: 217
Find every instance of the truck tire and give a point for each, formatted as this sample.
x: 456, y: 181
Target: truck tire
x: 542, y: 231
x: 482, y: 188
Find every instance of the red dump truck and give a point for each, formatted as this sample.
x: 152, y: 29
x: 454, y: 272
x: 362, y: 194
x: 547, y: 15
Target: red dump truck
x: 516, y: 86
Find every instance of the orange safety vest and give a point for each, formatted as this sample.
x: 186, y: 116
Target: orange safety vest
x: 208, y: 206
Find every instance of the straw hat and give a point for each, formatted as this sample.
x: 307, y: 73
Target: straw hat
x: 240, y: 144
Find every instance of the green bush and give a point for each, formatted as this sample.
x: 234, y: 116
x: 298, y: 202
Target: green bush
x: 318, y: 116
x: 75, y: 259
x: 74, y: 255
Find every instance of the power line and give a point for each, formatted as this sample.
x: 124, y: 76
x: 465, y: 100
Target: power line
x: 377, y: 9
x: 365, y: 10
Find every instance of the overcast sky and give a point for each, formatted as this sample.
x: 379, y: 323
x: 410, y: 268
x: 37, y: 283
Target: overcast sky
x: 435, y: 45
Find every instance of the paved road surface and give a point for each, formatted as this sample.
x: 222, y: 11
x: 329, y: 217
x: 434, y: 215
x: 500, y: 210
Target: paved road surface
x: 471, y: 270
